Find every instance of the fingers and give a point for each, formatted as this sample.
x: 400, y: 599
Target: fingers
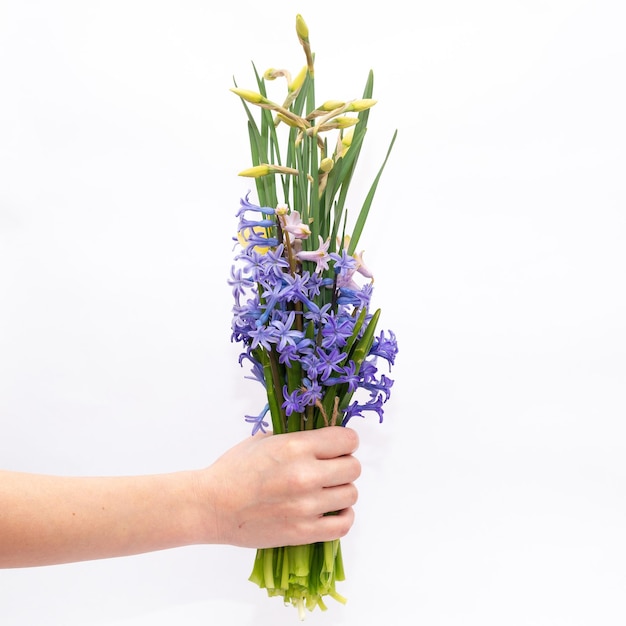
x: 334, y: 441
x: 331, y: 527
x: 338, y: 499
x: 339, y: 471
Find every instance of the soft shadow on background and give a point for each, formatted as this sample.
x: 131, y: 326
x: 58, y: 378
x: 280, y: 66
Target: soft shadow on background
x: 494, y: 492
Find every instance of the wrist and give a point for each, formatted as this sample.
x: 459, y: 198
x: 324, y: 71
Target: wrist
x: 203, y: 520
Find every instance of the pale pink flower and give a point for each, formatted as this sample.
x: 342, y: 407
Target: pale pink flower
x: 293, y: 225
x: 319, y: 256
x: 361, y: 268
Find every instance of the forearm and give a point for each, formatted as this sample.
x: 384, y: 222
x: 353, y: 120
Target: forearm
x: 48, y: 519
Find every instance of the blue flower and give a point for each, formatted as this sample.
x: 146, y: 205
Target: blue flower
x: 344, y: 263
x: 274, y: 262
x: 284, y: 332
x: 347, y: 374
x: 336, y: 330
x: 356, y: 410
x: 246, y: 205
x: 262, y: 336
x: 383, y: 386
x: 288, y: 354
x: 348, y: 296
x: 311, y: 392
x: 239, y: 283
x: 257, y: 368
x: 295, y: 288
x: 254, y: 239
x: 319, y: 315
x: 253, y: 263
x: 257, y: 420
x: 245, y: 224
x: 387, y: 348
x: 329, y: 361
x: 293, y: 401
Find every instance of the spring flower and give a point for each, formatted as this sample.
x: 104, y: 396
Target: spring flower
x: 293, y: 225
x: 293, y: 401
x: 320, y: 256
x: 284, y: 332
x: 258, y: 421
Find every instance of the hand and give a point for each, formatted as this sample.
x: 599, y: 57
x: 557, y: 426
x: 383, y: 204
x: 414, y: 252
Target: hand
x: 274, y: 490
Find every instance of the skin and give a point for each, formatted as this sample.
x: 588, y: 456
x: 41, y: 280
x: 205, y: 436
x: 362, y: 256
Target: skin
x: 239, y: 500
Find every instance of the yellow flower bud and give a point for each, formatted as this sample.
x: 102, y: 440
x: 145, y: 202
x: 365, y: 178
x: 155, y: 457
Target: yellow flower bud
x: 297, y: 82
x: 257, y: 171
x: 341, y: 122
x: 361, y: 105
x: 326, y: 164
x: 294, y: 121
x: 249, y: 96
x: 346, y: 138
x: 343, y: 142
x: 331, y: 105
x: 302, y: 29
x: 264, y: 169
x: 303, y: 36
x: 334, y: 124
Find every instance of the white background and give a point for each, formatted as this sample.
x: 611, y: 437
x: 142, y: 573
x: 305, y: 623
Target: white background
x: 494, y: 493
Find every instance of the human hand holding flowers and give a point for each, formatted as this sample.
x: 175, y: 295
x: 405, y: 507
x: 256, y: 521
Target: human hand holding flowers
x: 244, y: 504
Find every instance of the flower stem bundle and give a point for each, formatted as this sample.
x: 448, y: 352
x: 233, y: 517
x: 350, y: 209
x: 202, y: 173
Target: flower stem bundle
x: 302, y: 293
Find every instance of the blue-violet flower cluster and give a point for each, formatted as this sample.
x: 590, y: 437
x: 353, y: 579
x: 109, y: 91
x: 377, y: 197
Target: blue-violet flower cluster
x: 306, y: 325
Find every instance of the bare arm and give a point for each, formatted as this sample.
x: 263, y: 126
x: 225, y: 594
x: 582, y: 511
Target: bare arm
x: 265, y: 491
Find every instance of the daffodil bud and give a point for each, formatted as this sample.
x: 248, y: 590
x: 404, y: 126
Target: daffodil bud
x: 345, y: 122
x: 302, y: 29
x: 264, y: 169
x: 361, y: 105
x: 249, y: 96
x: 256, y: 172
x: 337, y: 122
x: 326, y: 164
x: 293, y: 121
x: 346, y: 138
x: 334, y: 124
x: 303, y: 36
x: 297, y: 82
x: 331, y: 105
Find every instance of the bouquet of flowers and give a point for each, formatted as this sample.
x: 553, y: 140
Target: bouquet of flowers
x: 302, y: 292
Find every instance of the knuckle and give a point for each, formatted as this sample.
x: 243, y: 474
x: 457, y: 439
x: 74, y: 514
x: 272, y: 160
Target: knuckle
x: 299, y: 481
